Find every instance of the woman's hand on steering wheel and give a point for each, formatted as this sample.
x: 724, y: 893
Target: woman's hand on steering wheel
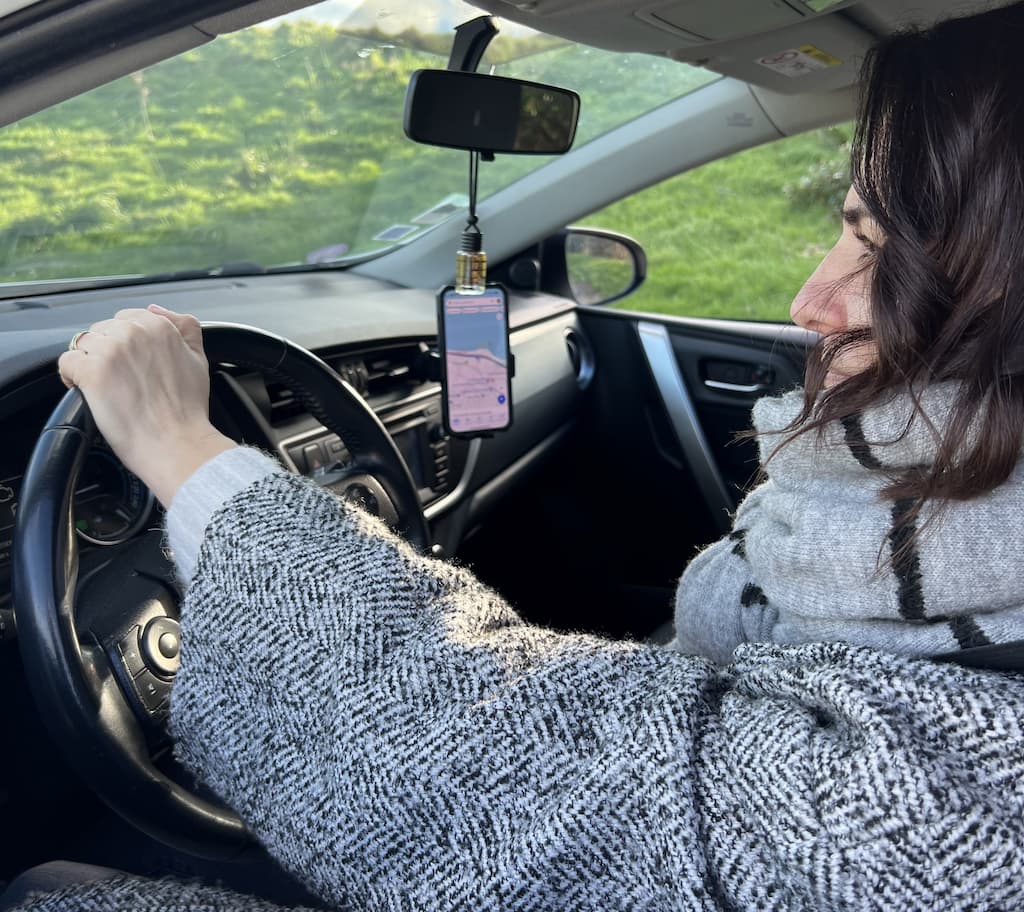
x: 146, y: 378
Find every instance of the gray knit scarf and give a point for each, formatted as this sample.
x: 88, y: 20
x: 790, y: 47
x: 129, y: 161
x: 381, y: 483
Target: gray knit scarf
x: 818, y: 554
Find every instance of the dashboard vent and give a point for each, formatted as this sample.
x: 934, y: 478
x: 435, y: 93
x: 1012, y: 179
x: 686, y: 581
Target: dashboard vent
x: 382, y: 375
x: 284, y: 404
x: 581, y: 357
x: 387, y: 374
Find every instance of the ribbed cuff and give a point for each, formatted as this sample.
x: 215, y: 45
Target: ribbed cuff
x: 211, y: 486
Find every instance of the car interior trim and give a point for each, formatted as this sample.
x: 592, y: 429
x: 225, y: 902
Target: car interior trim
x: 487, y: 495
x: 455, y: 496
x: 657, y: 348
x: 51, y: 88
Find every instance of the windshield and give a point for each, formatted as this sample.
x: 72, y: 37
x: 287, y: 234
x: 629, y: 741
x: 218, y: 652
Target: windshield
x: 278, y: 145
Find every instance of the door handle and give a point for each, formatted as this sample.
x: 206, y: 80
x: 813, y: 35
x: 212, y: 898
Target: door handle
x: 747, y: 389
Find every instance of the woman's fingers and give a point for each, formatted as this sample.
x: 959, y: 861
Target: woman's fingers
x: 70, y: 366
x: 146, y: 380
x: 186, y: 324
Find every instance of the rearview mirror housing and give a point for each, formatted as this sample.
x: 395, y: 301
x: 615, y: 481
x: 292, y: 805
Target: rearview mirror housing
x: 477, y: 112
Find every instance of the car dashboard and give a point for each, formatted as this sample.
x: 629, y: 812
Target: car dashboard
x: 379, y: 338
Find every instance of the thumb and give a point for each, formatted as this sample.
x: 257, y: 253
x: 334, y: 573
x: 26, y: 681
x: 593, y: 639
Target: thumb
x: 186, y: 324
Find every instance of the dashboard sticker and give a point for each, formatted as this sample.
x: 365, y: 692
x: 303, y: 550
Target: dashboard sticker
x: 395, y: 233
x: 442, y: 210
x: 797, y: 62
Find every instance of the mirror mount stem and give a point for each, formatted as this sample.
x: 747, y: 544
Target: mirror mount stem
x: 471, y: 40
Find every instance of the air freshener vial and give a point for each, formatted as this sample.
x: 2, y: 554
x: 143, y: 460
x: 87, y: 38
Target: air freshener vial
x: 471, y: 265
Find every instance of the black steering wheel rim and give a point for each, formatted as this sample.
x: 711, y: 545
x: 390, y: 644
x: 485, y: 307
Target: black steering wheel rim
x: 78, y: 698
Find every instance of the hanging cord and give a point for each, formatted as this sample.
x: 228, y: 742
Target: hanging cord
x: 472, y: 238
x: 471, y: 261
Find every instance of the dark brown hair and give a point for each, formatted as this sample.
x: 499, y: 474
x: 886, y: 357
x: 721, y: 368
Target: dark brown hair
x: 938, y: 161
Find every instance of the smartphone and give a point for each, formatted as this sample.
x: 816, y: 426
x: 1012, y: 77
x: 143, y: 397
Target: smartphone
x: 476, y: 367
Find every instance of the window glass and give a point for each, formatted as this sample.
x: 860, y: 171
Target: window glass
x: 279, y: 146
x: 737, y: 238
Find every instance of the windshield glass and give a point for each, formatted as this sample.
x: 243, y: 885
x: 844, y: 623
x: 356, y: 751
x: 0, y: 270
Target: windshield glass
x: 280, y: 144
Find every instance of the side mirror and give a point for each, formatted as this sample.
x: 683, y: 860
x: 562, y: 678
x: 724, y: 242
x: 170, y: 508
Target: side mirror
x: 602, y: 266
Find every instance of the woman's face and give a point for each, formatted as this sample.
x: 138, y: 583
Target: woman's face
x: 837, y: 297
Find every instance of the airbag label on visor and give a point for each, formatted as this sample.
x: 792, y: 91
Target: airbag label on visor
x: 801, y: 61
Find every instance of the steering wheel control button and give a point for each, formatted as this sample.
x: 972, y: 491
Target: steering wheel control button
x: 314, y: 456
x: 168, y: 646
x: 131, y: 654
x: 152, y: 691
x: 161, y: 646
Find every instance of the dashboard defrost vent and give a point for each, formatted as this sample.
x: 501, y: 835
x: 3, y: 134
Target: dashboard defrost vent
x: 581, y: 357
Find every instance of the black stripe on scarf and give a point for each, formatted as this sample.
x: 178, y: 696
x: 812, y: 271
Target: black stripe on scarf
x: 967, y: 632
x: 740, y: 548
x: 857, y: 444
x: 905, y: 562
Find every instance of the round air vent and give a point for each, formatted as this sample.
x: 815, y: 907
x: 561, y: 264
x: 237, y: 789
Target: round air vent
x: 581, y: 357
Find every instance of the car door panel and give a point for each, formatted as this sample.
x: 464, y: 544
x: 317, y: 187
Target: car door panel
x: 678, y: 433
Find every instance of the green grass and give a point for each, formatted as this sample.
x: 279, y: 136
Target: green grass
x: 736, y: 238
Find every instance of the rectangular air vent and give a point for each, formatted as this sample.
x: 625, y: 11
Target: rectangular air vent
x: 382, y: 375
x: 284, y: 404
x: 394, y: 372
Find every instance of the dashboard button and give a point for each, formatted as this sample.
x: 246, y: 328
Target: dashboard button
x: 152, y: 690
x: 313, y: 455
x: 131, y: 654
x: 296, y: 456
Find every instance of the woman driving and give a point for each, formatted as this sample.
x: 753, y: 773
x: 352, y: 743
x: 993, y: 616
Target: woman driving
x: 398, y: 738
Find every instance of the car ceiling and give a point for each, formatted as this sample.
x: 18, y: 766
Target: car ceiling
x: 53, y: 49
x: 756, y: 41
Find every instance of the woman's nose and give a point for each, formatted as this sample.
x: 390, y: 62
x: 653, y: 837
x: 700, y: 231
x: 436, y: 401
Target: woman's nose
x: 819, y: 305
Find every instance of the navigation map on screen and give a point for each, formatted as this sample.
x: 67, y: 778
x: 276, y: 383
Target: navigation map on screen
x: 476, y: 361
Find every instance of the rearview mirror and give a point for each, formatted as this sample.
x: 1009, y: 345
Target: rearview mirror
x: 474, y: 111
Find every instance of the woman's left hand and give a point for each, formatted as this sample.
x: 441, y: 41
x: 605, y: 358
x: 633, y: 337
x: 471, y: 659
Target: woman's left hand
x: 146, y: 379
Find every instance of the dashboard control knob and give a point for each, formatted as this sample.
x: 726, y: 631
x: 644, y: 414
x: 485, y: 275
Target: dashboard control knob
x: 161, y: 645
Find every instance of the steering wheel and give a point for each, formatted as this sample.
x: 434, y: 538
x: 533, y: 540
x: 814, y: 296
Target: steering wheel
x: 100, y: 650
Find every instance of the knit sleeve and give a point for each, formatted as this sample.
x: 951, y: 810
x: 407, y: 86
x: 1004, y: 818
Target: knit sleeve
x: 398, y: 738
x: 719, y: 604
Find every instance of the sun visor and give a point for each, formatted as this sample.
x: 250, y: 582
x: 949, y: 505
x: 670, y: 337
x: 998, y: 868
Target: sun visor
x: 697, y: 23
x: 789, y: 46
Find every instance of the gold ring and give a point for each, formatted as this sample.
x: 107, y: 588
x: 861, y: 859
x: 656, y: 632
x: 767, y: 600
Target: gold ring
x: 75, y: 339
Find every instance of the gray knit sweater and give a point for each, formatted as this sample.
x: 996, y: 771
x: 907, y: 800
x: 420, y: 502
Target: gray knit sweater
x: 399, y: 739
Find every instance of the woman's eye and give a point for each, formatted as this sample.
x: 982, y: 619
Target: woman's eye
x: 870, y: 248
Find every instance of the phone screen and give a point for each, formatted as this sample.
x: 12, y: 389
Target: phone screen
x: 474, y: 342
